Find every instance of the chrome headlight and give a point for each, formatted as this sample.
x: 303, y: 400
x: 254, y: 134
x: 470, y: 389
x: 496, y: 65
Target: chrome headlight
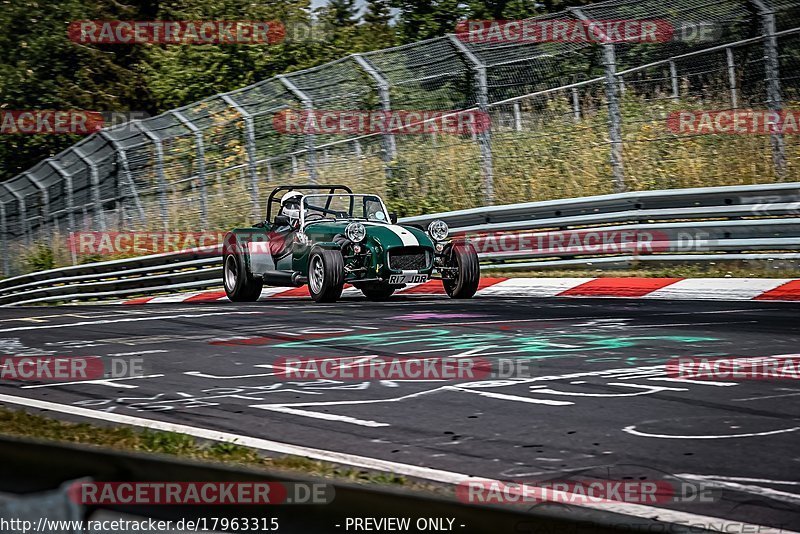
x: 438, y: 230
x: 355, y: 232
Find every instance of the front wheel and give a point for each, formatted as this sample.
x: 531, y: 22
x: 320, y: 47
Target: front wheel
x: 240, y: 285
x: 325, y: 274
x: 467, y: 275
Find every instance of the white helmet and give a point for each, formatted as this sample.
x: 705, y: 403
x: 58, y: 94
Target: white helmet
x: 290, y: 205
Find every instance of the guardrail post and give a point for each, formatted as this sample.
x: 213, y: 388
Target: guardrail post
x: 122, y: 161
x: 612, y: 95
x: 160, y: 177
x: 4, y: 232
x: 484, y: 136
x: 732, y: 78
x: 23, y: 212
x: 389, y: 144
x: 201, y: 164
x: 308, y: 104
x: 250, y: 148
x: 774, y: 99
x: 94, y: 177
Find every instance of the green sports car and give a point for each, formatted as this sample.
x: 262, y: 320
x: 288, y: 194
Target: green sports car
x: 326, y: 236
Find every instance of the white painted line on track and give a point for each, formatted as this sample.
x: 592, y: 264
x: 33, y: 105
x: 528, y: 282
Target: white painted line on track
x: 436, y: 475
x: 325, y: 416
x: 632, y: 430
x: 783, y: 496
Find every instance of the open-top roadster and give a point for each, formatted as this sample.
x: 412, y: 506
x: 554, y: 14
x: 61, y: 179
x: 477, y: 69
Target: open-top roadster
x: 326, y: 236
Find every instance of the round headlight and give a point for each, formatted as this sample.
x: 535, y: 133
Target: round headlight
x: 355, y: 232
x: 438, y: 230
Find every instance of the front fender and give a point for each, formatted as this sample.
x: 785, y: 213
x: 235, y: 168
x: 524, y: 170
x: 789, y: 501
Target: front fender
x: 300, y: 255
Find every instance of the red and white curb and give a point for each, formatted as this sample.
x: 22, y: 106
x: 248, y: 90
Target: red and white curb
x: 773, y: 289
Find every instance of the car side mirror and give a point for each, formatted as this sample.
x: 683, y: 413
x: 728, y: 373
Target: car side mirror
x: 281, y: 220
x: 393, y: 218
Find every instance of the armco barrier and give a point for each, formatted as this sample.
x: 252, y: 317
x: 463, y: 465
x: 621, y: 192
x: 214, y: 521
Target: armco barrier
x: 758, y: 222
x: 40, y: 468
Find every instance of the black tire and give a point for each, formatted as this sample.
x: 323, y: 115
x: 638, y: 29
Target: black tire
x: 240, y: 285
x: 377, y: 291
x: 325, y: 274
x: 468, y: 273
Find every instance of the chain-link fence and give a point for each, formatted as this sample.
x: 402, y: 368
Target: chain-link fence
x: 568, y: 118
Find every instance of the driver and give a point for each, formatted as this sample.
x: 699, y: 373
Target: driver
x: 290, y: 207
x: 281, y: 235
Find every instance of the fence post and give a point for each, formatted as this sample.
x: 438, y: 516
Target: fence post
x: 774, y: 100
x: 4, y: 231
x: 23, y: 212
x: 94, y: 177
x: 45, y: 195
x: 612, y: 95
x: 162, y: 180
x: 126, y: 172
x: 732, y: 78
x: 250, y: 148
x: 68, y: 188
x: 517, y: 117
x: 484, y: 136
x: 311, y: 157
x: 389, y: 144
x: 576, y: 105
x: 201, y: 164
x: 673, y: 76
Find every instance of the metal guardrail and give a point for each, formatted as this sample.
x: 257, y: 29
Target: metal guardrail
x: 42, y: 471
x: 758, y: 222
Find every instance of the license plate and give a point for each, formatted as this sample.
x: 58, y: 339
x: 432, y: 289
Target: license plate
x: 407, y: 278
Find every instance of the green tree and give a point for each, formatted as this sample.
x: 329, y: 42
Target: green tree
x: 423, y: 19
x: 43, y: 69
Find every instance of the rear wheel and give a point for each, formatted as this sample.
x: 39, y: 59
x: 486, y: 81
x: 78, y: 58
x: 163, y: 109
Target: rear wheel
x: 467, y: 276
x: 325, y: 274
x: 378, y: 291
x: 240, y: 285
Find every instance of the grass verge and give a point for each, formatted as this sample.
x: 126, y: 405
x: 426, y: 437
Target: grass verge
x: 24, y: 424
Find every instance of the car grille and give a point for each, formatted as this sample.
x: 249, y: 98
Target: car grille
x: 408, y: 258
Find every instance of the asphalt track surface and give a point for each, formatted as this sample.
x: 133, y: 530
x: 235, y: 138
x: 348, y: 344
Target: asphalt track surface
x: 597, y: 401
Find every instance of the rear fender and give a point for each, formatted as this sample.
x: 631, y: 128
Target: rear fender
x: 253, y: 245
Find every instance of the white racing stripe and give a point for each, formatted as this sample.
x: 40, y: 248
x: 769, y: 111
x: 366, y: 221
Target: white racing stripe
x: 408, y: 239
x: 436, y: 475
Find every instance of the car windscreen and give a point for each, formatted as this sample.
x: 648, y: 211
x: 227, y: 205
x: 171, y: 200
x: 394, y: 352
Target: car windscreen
x: 338, y: 207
